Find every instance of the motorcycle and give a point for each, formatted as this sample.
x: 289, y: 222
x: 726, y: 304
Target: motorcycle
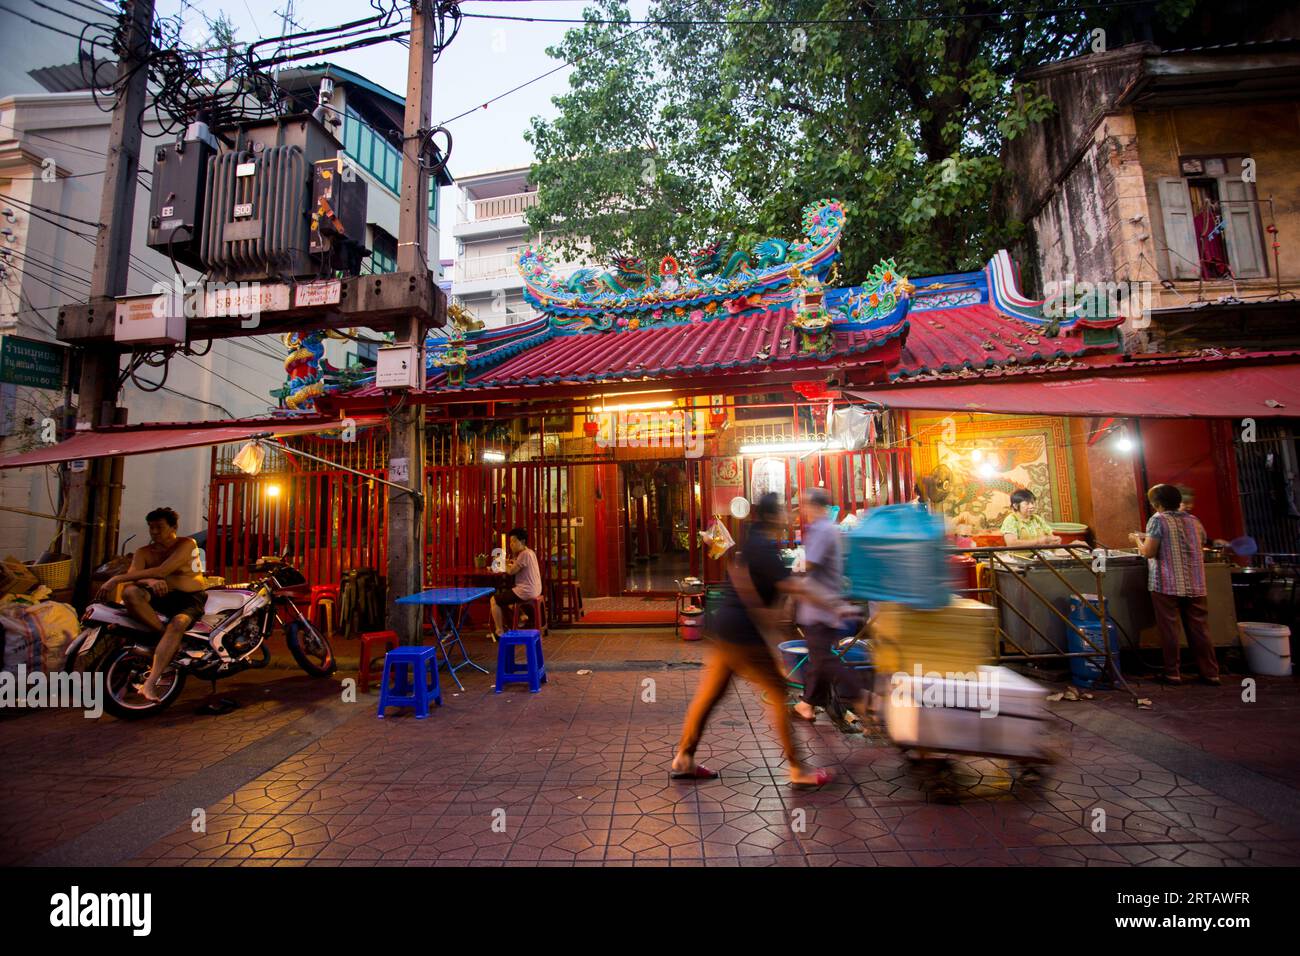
x: 229, y: 638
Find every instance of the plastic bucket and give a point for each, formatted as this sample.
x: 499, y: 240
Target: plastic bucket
x: 857, y: 656
x: 792, y: 652
x: 1267, y: 647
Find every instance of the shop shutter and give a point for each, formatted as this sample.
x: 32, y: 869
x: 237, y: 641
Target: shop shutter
x: 1180, y: 232
x: 1245, y: 250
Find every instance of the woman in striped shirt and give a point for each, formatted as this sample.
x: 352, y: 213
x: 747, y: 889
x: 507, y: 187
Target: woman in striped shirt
x: 1172, y: 546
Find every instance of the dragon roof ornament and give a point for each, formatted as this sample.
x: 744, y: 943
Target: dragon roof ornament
x: 719, y: 281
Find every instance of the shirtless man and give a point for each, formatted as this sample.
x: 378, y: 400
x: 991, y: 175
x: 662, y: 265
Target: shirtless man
x: 176, y: 589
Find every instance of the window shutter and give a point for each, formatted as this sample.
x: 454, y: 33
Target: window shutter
x: 1180, y: 231
x: 1245, y: 250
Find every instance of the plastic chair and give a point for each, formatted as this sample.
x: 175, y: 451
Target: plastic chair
x: 423, y: 686
x: 387, y: 639
x: 536, y: 609
x: 532, y: 671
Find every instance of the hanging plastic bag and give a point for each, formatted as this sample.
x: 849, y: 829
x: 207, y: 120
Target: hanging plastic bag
x: 851, y: 427
x: 717, y: 539
x: 250, y: 458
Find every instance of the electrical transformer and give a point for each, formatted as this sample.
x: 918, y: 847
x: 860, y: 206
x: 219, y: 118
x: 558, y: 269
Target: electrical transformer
x: 180, y: 174
x: 278, y: 205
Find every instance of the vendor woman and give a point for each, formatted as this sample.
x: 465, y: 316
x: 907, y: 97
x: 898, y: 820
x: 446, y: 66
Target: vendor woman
x: 1024, y: 525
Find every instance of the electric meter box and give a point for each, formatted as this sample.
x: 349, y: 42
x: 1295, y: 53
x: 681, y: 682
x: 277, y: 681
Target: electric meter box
x: 399, y: 366
x: 180, y: 176
x: 338, y: 215
x: 150, y: 320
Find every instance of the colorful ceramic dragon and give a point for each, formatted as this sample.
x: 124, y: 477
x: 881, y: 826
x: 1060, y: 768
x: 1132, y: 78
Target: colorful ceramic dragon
x: 720, y: 282
x: 308, y: 375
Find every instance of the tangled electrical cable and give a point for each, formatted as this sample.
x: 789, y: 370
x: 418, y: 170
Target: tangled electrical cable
x: 183, y: 82
x: 224, y: 84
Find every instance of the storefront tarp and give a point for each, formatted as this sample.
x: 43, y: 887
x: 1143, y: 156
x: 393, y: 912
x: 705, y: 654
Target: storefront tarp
x: 142, y: 439
x: 1238, y: 391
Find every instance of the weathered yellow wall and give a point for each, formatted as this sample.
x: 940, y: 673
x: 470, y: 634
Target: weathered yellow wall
x: 1268, y: 132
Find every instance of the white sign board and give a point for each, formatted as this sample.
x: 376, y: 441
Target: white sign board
x: 252, y: 298
x: 326, y: 292
x: 399, y: 470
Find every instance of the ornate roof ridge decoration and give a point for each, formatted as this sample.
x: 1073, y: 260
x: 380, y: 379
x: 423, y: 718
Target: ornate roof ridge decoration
x: 719, y: 282
x: 1057, y: 313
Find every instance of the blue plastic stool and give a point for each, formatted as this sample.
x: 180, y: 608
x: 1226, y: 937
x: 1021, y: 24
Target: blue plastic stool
x: 532, y: 672
x: 422, y: 665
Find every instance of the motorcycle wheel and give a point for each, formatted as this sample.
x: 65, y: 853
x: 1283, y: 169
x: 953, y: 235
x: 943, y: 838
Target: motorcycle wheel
x: 92, y: 661
x: 310, y: 649
x: 124, y: 670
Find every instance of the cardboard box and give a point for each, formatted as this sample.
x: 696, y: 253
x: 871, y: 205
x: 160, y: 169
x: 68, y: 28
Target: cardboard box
x: 958, y: 638
x: 1002, y: 714
x: 16, y: 577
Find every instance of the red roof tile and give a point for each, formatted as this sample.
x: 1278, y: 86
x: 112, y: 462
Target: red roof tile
x: 945, y: 340
x: 678, y: 350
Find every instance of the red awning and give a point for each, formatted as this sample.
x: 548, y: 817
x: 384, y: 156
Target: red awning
x: 1149, y: 391
x: 141, y: 439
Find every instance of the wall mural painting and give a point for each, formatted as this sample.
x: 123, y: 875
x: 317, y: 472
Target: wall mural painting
x: 990, y: 457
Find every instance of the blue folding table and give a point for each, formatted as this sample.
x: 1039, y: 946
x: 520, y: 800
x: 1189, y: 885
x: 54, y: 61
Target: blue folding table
x: 452, y: 602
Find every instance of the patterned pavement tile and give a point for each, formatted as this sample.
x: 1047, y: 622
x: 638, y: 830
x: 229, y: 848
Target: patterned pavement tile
x: 578, y: 776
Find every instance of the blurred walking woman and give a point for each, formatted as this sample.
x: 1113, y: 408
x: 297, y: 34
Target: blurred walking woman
x: 737, y: 648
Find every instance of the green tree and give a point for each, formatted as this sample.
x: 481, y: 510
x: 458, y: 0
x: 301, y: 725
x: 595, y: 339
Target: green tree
x: 672, y: 135
x: 222, y: 36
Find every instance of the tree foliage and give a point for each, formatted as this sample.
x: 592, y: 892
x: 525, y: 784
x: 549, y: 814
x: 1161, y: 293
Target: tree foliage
x: 675, y: 134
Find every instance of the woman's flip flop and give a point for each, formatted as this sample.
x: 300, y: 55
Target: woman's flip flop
x: 695, y: 773
x: 823, y: 777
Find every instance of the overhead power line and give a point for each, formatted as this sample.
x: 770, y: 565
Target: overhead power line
x: 38, y: 22
x: 828, y: 21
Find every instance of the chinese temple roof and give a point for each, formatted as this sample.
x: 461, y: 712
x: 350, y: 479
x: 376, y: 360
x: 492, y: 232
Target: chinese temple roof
x: 760, y: 314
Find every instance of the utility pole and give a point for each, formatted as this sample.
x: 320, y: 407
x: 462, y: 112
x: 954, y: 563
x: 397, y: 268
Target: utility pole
x: 406, y: 428
x: 95, y: 494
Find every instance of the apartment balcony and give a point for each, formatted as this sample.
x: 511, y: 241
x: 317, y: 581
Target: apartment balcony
x: 494, y: 320
x: 494, y: 217
x: 484, y: 267
x: 483, y: 274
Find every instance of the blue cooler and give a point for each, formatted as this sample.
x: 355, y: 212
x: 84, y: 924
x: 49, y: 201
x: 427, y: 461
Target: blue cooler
x: 1088, y: 671
x: 896, y: 554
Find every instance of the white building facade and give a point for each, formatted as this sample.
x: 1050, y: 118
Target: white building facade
x: 52, y: 155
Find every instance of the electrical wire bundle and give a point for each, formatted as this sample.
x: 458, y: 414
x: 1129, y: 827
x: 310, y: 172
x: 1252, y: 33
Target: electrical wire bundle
x: 182, y: 81
x: 226, y: 84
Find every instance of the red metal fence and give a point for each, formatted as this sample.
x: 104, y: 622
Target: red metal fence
x: 330, y: 521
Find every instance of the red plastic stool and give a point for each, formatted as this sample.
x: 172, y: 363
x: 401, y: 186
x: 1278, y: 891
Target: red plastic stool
x: 324, y: 597
x: 566, y: 599
x: 388, y: 639
x: 536, y: 609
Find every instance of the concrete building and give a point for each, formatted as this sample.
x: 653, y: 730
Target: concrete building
x: 490, y: 230
x: 1166, y: 167
x: 1171, y: 178
x: 53, y: 142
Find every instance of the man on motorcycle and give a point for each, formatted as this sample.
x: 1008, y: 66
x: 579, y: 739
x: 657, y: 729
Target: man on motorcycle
x: 165, y: 577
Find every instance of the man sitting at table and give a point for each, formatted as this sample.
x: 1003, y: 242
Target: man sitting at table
x: 522, y: 565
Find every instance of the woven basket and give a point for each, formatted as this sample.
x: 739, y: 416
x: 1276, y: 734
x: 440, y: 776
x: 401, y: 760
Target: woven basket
x: 53, y: 574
